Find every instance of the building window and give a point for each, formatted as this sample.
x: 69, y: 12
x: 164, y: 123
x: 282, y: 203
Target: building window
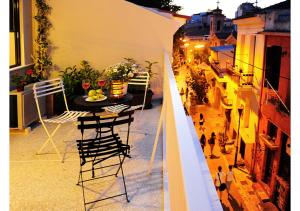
x: 273, y: 61
x: 224, y: 85
x: 272, y: 131
x: 218, y: 25
x: 268, y: 166
x: 285, y: 160
x: 14, y: 34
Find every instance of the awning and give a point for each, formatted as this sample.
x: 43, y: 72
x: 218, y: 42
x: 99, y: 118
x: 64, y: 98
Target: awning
x: 222, y: 48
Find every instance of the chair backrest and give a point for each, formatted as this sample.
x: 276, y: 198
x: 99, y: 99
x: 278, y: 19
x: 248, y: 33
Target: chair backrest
x: 105, y: 125
x: 142, y: 79
x: 48, y: 87
x: 96, y: 122
x: 93, y: 147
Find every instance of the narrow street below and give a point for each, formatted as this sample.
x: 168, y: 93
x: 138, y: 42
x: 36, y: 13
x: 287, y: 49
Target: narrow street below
x: 242, y: 196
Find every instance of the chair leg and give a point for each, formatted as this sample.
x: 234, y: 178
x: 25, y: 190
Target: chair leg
x: 71, y: 143
x: 78, y: 179
x: 50, y: 140
x: 121, y: 162
x: 120, y: 165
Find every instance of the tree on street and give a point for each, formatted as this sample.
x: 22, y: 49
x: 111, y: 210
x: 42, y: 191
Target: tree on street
x: 159, y: 4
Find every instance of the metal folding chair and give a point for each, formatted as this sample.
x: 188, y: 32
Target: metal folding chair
x: 98, y: 153
x: 50, y: 87
x: 142, y: 79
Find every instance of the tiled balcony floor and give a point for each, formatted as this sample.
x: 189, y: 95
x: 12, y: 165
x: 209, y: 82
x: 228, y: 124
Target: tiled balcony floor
x: 43, y: 182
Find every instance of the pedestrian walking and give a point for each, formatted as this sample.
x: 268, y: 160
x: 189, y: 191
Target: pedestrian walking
x: 220, y: 182
x: 203, y: 141
x: 201, y: 122
x: 212, y: 142
x: 229, y: 178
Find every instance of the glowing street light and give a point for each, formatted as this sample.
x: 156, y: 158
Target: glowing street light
x: 199, y: 46
x: 186, y: 44
x: 240, y: 110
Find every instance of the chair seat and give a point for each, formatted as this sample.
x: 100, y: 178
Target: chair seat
x: 101, y: 148
x: 116, y: 108
x: 67, y: 116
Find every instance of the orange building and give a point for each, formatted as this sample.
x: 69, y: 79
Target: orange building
x: 272, y: 154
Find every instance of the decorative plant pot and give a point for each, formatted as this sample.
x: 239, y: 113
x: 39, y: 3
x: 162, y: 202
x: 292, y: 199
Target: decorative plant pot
x: 118, y: 88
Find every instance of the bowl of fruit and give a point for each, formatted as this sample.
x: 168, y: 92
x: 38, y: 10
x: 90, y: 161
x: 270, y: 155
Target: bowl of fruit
x: 95, y: 95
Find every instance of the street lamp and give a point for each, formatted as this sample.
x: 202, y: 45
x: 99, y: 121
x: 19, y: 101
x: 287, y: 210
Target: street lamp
x: 240, y: 110
x: 227, y: 115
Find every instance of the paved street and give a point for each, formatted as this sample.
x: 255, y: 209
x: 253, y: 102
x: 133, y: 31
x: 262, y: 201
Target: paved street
x: 242, y: 196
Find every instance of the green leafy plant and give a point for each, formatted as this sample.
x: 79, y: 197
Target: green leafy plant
x: 41, y: 57
x: 73, y: 76
x: 149, y: 68
x: 199, y: 84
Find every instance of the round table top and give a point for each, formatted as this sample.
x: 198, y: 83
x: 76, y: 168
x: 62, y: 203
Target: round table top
x: 97, y: 106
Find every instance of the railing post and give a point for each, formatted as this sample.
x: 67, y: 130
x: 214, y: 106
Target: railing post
x: 159, y: 127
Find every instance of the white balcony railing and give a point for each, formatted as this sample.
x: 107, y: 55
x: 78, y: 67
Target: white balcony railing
x: 188, y: 184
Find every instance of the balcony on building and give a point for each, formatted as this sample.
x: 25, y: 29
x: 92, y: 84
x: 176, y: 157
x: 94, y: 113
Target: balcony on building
x: 275, y: 108
x: 222, y: 60
x: 268, y: 141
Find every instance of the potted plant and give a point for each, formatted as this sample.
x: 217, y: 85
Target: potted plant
x: 72, y: 78
x: 139, y: 91
x: 119, y: 74
x: 149, y: 91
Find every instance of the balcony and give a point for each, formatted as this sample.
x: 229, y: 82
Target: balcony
x: 268, y: 141
x: 180, y: 171
x: 218, y: 70
x: 229, y: 71
x: 246, y: 79
x: 275, y: 110
x: 226, y: 102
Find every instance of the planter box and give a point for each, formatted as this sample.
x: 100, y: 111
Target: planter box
x: 23, y: 109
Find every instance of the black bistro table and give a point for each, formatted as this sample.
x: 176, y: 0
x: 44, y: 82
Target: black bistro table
x: 97, y: 106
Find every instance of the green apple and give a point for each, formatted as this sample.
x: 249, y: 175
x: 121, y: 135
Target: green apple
x: 92, y: 93
x: 100, y: 96
x: 95, y: 97
x: 99, y: 91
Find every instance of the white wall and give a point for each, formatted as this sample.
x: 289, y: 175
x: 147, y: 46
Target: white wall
x: 104, y: 32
